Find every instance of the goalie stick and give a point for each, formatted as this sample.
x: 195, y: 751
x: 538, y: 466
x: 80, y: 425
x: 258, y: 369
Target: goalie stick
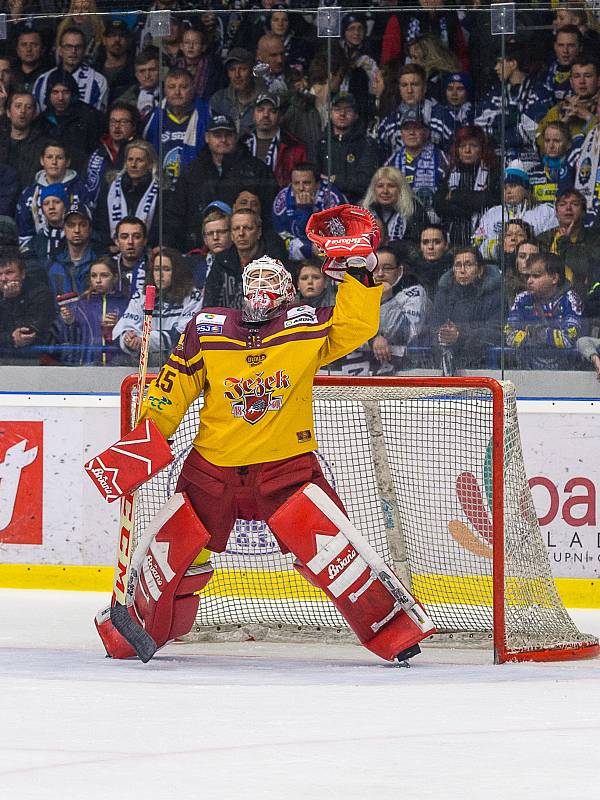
x: 124, y: 581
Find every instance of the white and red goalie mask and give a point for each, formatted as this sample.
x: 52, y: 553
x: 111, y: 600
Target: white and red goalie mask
x: 267, y: 288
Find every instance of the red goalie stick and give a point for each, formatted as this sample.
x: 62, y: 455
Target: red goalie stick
x: 143, y: 644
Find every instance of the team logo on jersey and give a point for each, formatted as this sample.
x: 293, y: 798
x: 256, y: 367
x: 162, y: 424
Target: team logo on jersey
x: 253, y: 397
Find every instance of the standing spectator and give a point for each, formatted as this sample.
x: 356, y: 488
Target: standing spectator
x: 31, y: 59
x: 56, y: 171
x: 556, y: 171
x: 355, y: 45
x: 181, y: 122
x: 88, y: 322
x: 205, y: 69
x: 391, y: 199
x: 144, y: 92
x: 472, y: 185
x: 131, y: 258
x: 26, y: 308
x: 353, y: 154
x: 546, y: 319
x: 133, y: 192
x: 237, y: 100
x: 92, y: 86
x: 272, y: 144
x: 314, y: 287
x: 115, y: 58
x: 220, y: 172
x: 224, y: 283
x: 123, y: 126
x: 177, y: 302
x: 555, y: 83
x: 295, y: 203
x: 70, y: 269
x: 467, y: 312
x: 455, y: 111
x: 23, y: 136
x: 434, y: 258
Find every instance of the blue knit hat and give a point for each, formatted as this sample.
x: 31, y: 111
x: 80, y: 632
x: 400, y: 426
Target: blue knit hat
x: 55, y: 190
x: 459, y: 77
x: 516, y: 173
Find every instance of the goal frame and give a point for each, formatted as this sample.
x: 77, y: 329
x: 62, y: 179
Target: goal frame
x: 502, y: 653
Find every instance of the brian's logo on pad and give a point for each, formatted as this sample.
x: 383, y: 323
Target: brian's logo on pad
x: 253, y: 397
x: 21, y: 482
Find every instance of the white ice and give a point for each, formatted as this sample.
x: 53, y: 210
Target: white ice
x: 259, y: 720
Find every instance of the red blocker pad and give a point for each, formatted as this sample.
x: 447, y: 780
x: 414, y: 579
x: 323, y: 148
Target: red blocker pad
x: 335, y: 557
x: 164, y: 599
x: 343, y: 231
x: 131, y: 461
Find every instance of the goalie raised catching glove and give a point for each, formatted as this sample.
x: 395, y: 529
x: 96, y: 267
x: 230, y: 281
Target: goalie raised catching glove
x: 348, y: 237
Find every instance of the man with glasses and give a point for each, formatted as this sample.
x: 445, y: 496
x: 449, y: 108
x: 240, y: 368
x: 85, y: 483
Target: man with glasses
x: 92, y: 85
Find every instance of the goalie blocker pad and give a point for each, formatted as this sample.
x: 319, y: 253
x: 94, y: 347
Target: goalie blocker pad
x: 336, y: 558
x: 130, y: 462
x: 163, y: 581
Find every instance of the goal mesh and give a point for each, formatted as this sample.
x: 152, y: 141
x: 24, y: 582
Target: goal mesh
x: 414, y: 466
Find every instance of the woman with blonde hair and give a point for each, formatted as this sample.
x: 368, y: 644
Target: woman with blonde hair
x: 133, y: 192
x: 430, y: 53
x: 83, y: 14
x: 390, y: 197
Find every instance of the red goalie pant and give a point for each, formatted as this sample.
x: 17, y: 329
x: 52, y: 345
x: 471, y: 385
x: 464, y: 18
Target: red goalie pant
x: 220, y: 495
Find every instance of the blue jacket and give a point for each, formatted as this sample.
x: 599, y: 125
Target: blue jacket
x: 64, y: 276
x: 554, y: 324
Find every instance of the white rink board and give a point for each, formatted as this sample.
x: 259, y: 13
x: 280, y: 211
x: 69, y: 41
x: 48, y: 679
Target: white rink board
x: 560, y: 444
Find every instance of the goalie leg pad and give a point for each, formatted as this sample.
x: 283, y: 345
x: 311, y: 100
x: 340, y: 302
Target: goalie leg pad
x: 164, y: 599
x: 334, y: 556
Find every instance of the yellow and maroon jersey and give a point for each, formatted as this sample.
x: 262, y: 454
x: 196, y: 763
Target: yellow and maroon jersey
x: 257, y: 379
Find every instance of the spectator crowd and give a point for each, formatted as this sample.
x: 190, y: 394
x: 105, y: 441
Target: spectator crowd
x: 129, y: 160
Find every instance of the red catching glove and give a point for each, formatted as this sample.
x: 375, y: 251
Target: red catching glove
x: 347, y: 235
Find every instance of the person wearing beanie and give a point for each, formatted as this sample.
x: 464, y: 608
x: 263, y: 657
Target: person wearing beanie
x: 455, y: 111
x: 55, y: 175
x: 356, y: 48
x: 517, y: 205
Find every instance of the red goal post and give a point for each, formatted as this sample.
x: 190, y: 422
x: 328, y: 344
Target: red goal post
x: 431, y: 472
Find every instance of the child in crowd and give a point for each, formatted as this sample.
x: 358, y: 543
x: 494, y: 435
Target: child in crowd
x: 314, y: 288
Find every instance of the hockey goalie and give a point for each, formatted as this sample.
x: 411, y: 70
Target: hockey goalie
x: 253, y: 455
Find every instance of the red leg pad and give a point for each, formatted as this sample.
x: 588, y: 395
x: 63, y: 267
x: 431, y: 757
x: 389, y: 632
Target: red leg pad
x: 348, y: 577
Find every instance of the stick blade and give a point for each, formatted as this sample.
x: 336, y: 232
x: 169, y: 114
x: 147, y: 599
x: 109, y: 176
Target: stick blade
x: 143, y: 644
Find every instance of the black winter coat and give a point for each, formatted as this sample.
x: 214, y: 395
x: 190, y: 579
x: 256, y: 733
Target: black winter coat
x: 354, y: 159
x: 33, y: 308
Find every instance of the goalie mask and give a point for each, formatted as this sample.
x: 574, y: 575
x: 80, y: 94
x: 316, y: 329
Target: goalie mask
x: 267, y: 288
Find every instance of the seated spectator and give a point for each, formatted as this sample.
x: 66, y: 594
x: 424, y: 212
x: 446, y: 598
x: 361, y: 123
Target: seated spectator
x: 134, y: 192
x: 587, y: 167
x: 517, y: 205
x: 56, y: 171
x: 588, y: 348
x: 578, y: 107
x: 456, y: 110
x: 177, y: 301
x: 577, y: 247
x: 546, y: 319
x: 216, y: 235
x: 434, y: 258
x: 23, y: 136
x: 467, y: 312
x: 422, y: 163
x: 248, y: 200
x: 69, y: 120
x: 411, y: 90
x: 516, y: 231
x: 123, y: 126
x: 354, y: 155
x: 270, y: 143
x: 391, y: 199
x: 87, y: 322
x: 472, y: 185
x: 131, y: 257
x: 31, y: 59
x: 69, y: 271
x: 355, y: 44
x: 206, y: 69
x: 144, y: 92
x: 515, y: 280
x: 438, y: 62
x: 115, y: 57
x: 520, y: 106
x: 83, y: 15
x: 314, y: 287
x: 9, y: 190
x: 220, y: 172
x: 556, y: 172
x: 271, y: 51
x: 554, y: 84
x: 237, y: 100
x: 293, y: 206
x: 92, y: 88
x: 328, y: 74
x: 54, y: 201
x: 224, y: 282
x: 297, y: 34
x: 182, y: 123
x: 9, y: 237
x: 26, y: 309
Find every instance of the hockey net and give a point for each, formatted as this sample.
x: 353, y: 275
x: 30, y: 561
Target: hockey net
x: 431, y: 471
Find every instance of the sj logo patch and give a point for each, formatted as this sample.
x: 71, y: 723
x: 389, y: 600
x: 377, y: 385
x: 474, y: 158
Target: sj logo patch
x: 21, y: 482
x: 251, y: 398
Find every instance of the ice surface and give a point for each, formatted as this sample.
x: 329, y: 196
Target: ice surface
x: 261, y: 720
